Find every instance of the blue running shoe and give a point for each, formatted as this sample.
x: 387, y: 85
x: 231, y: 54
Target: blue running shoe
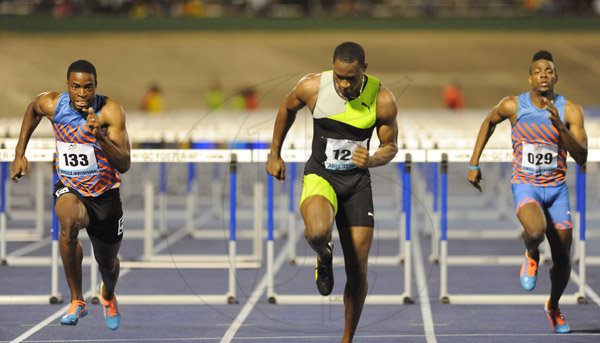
x: 529, y: 270
x: 111, y: 311
x: 557, y: 320
x: 76, y: 310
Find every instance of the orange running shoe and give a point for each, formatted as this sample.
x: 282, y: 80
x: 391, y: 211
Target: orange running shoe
x: 76, y: 310
x: 111, y: 311
x: 557, y: 320
x: 529, y: 270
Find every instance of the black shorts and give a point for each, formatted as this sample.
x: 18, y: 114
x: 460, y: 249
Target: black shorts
x: 353, y: 193
x: 105, y: 212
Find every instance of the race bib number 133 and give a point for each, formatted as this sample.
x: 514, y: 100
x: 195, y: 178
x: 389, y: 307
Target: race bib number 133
x: 76, y: 159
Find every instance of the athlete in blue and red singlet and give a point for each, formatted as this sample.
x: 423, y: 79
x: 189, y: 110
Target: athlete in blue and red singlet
x: 545, y: 127
x: 92, y: 148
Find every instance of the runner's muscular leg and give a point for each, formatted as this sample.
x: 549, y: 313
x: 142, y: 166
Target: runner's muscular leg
x: 108, y: 263
x: 533, y: 220
x: 318, y: 215
x: 560, y: 273
x: 73, y: 217
x: 356, y: 244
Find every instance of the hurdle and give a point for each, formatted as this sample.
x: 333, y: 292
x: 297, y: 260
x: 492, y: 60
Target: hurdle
x: 579, y: 240
x: 36, y: 233
x: 233, y: 157
x: 54, y: 297
x: 376, y: 299
x: 231, y: 261
x: 493, y: 299
x: 502, y: 211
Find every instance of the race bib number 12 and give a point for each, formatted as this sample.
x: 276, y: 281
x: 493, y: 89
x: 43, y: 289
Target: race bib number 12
x: 339, y: 153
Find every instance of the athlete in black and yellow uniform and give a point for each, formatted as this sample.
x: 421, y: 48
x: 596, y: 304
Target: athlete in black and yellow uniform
x: 347, y: 105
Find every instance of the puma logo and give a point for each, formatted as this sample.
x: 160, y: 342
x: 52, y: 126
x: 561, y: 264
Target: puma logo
x: 120, y: 229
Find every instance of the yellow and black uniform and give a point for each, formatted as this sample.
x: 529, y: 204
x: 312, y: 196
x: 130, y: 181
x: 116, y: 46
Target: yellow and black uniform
x: 340, y: 126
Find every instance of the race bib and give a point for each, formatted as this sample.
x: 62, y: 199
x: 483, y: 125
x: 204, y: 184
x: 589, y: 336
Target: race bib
x: 539, y: 159
x: 339, y: 153
x: 76, y: 159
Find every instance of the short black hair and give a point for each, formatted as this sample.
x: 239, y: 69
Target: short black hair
x: 349, y: 52
x: 82, y: 66
x: 542, y: 55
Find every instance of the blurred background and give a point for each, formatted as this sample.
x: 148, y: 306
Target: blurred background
x: 297, y: 8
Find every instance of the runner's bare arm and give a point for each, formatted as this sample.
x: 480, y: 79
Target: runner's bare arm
x: 572, y: 133
x: 302, y: 94
x: 506, y: 108
x: 42, y: 106
x: 387, y: 129
x: 115, y: 143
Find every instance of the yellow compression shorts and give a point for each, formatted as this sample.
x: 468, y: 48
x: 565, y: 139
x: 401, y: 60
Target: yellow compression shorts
x: 313, y: 184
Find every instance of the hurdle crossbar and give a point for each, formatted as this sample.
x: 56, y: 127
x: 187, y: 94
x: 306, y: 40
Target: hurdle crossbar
x: 491, y: 299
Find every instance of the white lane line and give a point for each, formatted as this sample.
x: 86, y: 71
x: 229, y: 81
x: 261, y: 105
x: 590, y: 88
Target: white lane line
x: 55, y: 316
x: 45, y: 322
x: 254, y: 297
x: 423, y: 290
x: 312, y: 338
x: 30, y: 247
x: 159, y: 247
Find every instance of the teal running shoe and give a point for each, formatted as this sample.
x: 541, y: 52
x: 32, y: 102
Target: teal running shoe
x: 77, y: 310
x: 529, y: 270
x: 111, y: 311
x: 557, y: 320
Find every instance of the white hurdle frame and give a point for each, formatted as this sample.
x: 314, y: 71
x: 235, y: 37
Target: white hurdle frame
x: 406, y: 157
x: 36, y: 233
x: 476, y: 234
x: 488, y: 299
x: 151, y: 260
x: 230, y: 262
x: 36, y: 155
x: 579, y: 241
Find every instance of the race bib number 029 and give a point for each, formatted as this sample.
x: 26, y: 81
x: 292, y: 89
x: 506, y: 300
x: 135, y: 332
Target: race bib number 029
x: 539, y: 158
x: 339, y: 153
x: 76, y: 159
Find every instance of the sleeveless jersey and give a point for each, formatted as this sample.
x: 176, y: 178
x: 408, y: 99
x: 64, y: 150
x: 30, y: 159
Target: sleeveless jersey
x: 80, y: 162
x: 340, y: 126
x: 539, y: 158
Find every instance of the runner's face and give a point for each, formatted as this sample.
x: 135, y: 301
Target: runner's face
x: 542, y: 76
x: 348, y: 78
x: 82, y: 90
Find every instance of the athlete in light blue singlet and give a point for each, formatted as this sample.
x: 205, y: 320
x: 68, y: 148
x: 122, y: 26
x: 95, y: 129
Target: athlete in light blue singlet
x: 544, y: 127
